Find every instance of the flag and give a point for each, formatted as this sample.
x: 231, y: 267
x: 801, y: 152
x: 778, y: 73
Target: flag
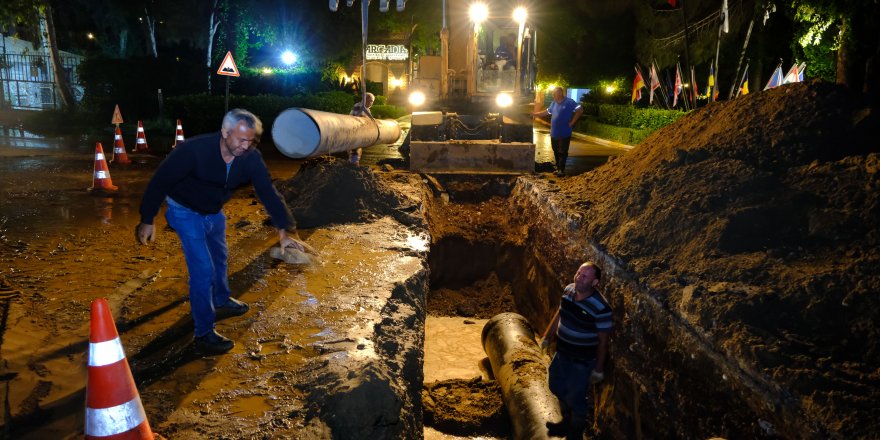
x: 677, y: 89
x: 775, y: 79
x: 792, y: 75
x: 801, y: 69
x: 711, y: 86
x: 744, y: 84
x: 638, y: 83
x: 694, y: 89
x: 671, y: 3
x: 724, y: 22
x: 655, y: 82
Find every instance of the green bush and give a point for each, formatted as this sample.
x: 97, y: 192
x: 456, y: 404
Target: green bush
x: 623, y: 135
x: 639, y: 118
x: 381, y: 100
x: 387, y: 111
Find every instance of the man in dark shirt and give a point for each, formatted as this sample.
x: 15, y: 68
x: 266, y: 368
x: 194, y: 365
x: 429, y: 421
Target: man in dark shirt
x: 196, y: 180
x: 581, y: 327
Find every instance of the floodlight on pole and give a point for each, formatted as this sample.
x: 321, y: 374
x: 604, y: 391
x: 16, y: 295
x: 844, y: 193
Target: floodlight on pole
x: 288, y: 57
x: 478, y: 12
x: 520, y: 14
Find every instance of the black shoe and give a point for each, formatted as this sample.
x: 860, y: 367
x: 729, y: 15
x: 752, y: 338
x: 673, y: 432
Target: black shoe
x: 214, y: 343
x: 233, y: 307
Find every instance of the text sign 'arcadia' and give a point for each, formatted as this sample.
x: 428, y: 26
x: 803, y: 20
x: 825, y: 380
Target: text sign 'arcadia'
x: 387, y: 52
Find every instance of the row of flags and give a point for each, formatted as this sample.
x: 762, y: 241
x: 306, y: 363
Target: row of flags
x: 795, y: 74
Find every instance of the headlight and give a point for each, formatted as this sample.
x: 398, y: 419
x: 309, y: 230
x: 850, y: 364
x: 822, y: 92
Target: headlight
x: 504, y: 100
x: 416, y: 98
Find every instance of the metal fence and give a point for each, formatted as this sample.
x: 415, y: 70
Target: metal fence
x: 28, y: 81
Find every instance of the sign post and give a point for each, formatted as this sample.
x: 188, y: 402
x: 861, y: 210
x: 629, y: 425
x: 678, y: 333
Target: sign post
x: 228, y: 69
x: 117, y: 119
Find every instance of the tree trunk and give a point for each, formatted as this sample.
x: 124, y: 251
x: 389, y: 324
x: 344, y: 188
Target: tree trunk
x: 61, y: 82
x: 123, y: 42
x: 213, y: 24
x: 151, y: 34
x: 843, y: 56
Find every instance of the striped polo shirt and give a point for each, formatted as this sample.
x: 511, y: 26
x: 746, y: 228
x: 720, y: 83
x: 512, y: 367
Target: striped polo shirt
x: 580, y: 322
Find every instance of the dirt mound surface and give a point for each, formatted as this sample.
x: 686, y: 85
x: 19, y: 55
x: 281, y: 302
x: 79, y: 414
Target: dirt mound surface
x: 757, y: 221
x: 327, y: 190
x: 465, y: 407
x: 483, y: 299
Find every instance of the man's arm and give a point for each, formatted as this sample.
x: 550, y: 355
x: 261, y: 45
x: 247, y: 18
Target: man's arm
x: 601, y: 352
x: 541, y: 113
x: 577, y: 115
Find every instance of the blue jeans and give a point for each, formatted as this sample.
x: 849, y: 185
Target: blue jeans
x: 203, y: 239
x: 570, y: 381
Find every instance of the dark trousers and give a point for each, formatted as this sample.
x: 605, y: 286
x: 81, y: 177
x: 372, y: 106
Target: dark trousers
x: 560, y: 151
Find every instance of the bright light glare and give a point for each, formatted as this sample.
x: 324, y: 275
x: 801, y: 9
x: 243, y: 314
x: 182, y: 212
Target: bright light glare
x: 416, y: 98
x: 478, y: 12
x: 91, y: 36
x: 267, y: 71
x: 288, y: 57
x: 610, y: 89
x: 520, y: 14
x: 504, y: 100
x: 395, y: 82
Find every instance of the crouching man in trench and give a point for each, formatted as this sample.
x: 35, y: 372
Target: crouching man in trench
x: 196, y: 180
x: 581, y: 328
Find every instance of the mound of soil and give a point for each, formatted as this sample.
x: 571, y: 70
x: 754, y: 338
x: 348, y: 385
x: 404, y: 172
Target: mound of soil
x: 757, y: 221
x: 465, y: 407
x: 482, y: 299
x: 327, y: 190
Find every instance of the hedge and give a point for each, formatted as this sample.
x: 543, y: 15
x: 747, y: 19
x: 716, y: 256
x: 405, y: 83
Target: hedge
x: 623, y: 135
x: 638, y: 118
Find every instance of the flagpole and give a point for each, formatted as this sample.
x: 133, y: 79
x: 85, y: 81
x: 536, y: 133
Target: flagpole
x: 743, y: 80
x: 660, y: 83
x: 724, y: 13
x: 741, y: 56
x: 687, y: 47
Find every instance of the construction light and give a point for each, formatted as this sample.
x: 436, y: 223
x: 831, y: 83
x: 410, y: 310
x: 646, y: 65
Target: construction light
x: 478, y: 12
x: 610, y: 89
x: 416, y: 98
x: 504, y: 100
x: 520, y: 14
x: 288, y: 57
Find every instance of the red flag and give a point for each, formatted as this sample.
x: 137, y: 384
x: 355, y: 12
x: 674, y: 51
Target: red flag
x: 638, y: 83
x: 677, y: 90
x: 671, y: 3
x: 655, y: 82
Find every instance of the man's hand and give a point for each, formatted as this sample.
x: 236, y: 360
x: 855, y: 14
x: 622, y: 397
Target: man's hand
x: 596, y: 377
x: 288, y: 242
x: 144, y: 233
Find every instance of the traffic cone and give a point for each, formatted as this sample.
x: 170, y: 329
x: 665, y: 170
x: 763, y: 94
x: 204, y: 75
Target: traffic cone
x: 178, y: 134
x: 113, y: 406
x: 101, y: 181
x: 119, y: 154
x: 140, y: 145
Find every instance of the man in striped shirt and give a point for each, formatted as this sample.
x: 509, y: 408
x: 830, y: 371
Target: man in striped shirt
x: 581, y: 327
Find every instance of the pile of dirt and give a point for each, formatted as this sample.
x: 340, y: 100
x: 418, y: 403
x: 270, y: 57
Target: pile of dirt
x: 327, y: 190
x: 465, y: 407
x: 482, y: 299
x: 757, y: 221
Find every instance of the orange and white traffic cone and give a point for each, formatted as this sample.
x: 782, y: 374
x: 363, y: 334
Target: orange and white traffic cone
x: 113, y: 406
x: 101, y: 181
x: 178, y: 134
x: 119, y: 154
x: 140, y: 145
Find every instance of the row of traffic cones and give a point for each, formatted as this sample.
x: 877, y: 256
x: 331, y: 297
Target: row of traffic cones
x: 101, y: 181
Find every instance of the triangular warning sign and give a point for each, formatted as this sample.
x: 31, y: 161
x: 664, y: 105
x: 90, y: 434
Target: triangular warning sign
x: 117, y: 116
x: 227, y: 67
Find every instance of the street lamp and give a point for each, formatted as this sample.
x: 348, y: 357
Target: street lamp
x: 478, y: 13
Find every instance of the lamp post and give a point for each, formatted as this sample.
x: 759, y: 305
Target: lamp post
x: 519, y: 15
x: 478, y: 13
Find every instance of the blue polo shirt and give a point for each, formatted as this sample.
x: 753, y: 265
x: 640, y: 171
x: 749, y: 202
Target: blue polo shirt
x: 560, y: 116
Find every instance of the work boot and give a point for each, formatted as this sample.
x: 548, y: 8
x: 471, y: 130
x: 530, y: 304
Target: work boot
x: 233, y: 307
x: 214, y: 343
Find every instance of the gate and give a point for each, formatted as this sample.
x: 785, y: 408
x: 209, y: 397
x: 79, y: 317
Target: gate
x: 27, y: 82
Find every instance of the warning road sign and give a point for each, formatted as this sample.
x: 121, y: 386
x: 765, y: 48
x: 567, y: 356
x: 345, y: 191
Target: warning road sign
x: 228, y: 66
x: 117, y: 116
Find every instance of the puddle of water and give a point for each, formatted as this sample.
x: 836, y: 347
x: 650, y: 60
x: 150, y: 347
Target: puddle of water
x: 251, y: 406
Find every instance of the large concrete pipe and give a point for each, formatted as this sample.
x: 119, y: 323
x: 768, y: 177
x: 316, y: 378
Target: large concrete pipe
x: 302, y: 132
x: 521, y: 371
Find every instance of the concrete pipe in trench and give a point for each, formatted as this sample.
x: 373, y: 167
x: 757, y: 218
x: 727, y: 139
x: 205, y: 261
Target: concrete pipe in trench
x: 300, y: 132
x: 521, y: 371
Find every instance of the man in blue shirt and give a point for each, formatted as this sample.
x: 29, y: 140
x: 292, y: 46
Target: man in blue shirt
x: 195, y: 181
x: 564, y: 113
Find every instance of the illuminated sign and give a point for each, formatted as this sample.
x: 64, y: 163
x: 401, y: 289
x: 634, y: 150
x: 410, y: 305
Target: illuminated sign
x: 387, y: 52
